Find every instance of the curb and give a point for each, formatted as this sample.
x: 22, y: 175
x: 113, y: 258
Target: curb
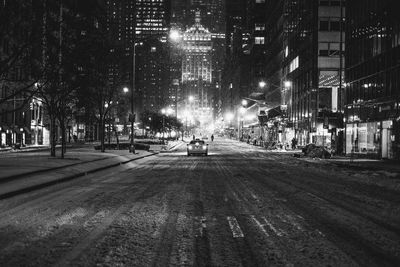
x: 67, y: 178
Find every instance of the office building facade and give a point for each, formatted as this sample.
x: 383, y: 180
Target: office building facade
x: 372, y: 79
x: 143, y: 25
x: 313, y: 64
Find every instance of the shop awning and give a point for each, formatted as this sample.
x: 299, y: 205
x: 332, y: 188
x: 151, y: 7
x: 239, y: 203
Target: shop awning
x: 275, y: 112
x: 258, y: 96
x: 252, y: 124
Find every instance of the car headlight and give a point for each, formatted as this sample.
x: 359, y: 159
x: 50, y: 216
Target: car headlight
x: 204, y: 147
x: 190, y: 147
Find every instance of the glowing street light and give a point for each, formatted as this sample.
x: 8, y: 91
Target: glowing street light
x: 174, y: 35
x: 229, y: 116
x: 262, y: 84
x: 242, y: 110
x: 287, y: 84
x: 244, y: 102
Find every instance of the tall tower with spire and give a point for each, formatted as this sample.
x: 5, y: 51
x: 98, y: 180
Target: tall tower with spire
x: 197, y: 70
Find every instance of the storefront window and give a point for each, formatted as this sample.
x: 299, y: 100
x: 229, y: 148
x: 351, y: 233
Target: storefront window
x: 373, y: 138
x: 349, y: 138
x: 363, y: 138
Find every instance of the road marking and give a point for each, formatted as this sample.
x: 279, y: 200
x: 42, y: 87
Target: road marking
x: 261, y: 226
x: 278, y: 232
x: 292, y: 220
x: 235, y: 228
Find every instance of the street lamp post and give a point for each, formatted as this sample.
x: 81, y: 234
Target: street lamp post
x: 242, y: 111
x: 132, y: 121
x: 132, y: 117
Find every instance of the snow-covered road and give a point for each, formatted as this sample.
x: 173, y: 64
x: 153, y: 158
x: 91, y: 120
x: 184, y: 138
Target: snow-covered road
x: 240, y: 206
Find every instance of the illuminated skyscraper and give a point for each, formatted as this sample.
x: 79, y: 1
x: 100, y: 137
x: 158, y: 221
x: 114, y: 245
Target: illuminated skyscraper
x: 197, y: 70
x: 152, y: 71
x: 146, y: 24
x: 212, y: 14
x: 152, y: 19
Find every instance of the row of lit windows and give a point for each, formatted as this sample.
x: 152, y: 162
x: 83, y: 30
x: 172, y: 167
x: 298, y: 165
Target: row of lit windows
x: 259, y: 40
x: 331, y: 2
x: 329, y: 24
x: 376, y: 86
x: 259, y: 27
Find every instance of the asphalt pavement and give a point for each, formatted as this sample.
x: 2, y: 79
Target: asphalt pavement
x: 240, y: 206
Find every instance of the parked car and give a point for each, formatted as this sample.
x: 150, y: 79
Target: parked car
x: 197, y: 147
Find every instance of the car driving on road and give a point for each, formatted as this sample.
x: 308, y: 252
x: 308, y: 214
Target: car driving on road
x: 198, y: 147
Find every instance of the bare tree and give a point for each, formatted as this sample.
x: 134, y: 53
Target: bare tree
x: 19, y: 31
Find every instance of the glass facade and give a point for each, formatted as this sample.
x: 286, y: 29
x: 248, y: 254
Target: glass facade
x: 372, y: 77
x: 312, y: 62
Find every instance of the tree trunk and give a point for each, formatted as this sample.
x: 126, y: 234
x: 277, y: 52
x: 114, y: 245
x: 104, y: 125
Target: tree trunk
x: 101, y: 132
x: 63, y: 137
x: 109, y: 133
x: 116, y: 135
x: 53, y: 135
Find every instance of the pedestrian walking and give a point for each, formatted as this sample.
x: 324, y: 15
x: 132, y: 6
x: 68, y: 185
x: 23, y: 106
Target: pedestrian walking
x: 212, y: 138
x: 194, y: 137
x: 294, y: 143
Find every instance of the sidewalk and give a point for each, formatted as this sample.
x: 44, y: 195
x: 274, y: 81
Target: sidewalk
x: 26, y: 172
x: 366, y: 164
x: 391, y: 167
x: 23, y: 149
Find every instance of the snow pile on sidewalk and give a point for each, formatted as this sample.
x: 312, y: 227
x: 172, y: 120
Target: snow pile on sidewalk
x: 314, y: 151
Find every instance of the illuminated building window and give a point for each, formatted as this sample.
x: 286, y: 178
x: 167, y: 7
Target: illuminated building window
x: 259, y: 27
x: 259, y: 40
x: 294, y: 64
